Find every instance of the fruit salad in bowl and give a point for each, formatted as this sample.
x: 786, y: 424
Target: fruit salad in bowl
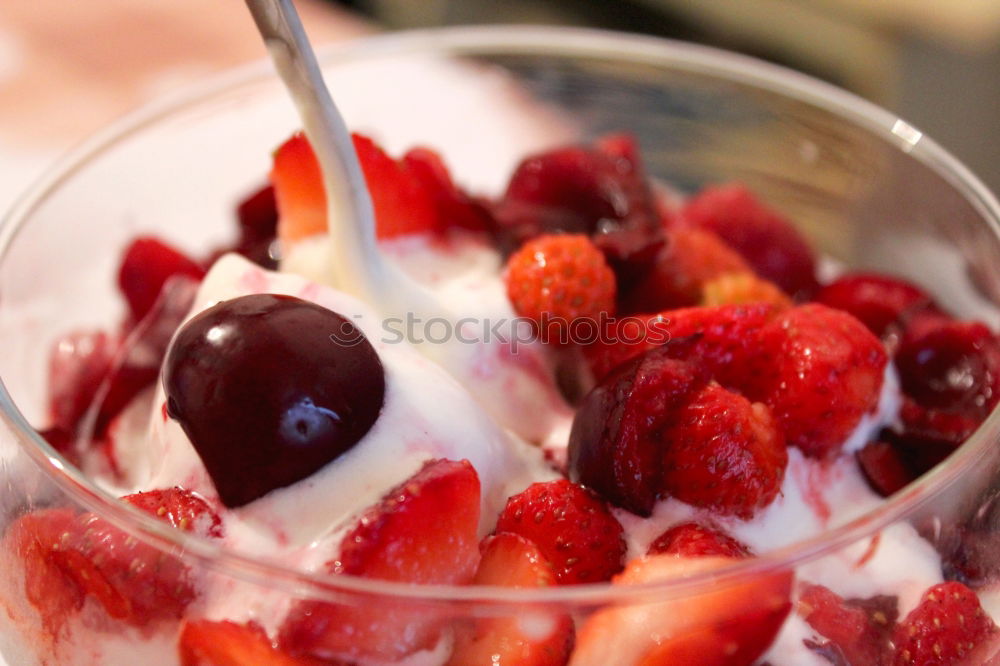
x: 704, y: 374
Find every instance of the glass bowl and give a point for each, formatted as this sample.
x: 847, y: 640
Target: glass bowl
x: 866, y: 188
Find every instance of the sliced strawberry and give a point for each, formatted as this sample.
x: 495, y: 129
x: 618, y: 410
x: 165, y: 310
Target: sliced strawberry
x: 207, y: 643
x: 61, y: 440
x: 819, y: 370
x: 878, y: 301
x: 423, y: 531
x: 146, y: 266
x: 689, y: 259
x: 402, y: 204
x: 510, y: 560
x: 70, y: 557
x: 136, y: 364
x: 857, y: 632
x: 729, y: 625
x: 55, y: 593
x: 694, y: 540
x: 298, y: 190
x: 181, y: 508
x: 723, y: 453
x: 571, y: 526
x: 455, y: 208
x: 615, y: 445
x: 944, y: 629
x: 78, y: 364
x: 884, y: 468
x: 769, y: 242
x: 722, y: 338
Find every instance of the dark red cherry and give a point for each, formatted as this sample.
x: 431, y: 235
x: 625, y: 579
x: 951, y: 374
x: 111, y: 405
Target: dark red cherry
x: 615, y: 445
x: 270, y: 389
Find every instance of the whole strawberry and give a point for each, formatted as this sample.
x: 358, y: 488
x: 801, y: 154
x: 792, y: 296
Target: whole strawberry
x: 572, y: 528
x: 944, y: 629
x: 819, y: 370
x: 722, y: 338
x: 555, y: 280
x: 723, y: 453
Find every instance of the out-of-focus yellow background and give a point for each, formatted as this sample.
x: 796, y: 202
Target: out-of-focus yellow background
x: 67, y: 68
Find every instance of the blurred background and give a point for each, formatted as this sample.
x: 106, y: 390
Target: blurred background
x: 68, y: 68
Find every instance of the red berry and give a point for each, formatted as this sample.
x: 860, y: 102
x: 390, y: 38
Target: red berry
x: 180, y: 508
x: 556, y: 281
x: 884, y: 468
x: 70, y: 556
x: 768, y: 242
x: 601, y: 192
x: 423, y: 531
x: 944, y: 629
x: 723, y: 625
x: 572, y: 528
x: 510, y: 560
x: 878, y: 301
x: 855, y: 631
x: 146, y: 266
x: 694, y: 540
x: 455, y: 208
x: 298, y: 190
x: 723, y: 453
x: 615, y: 445
x: 927, y: 425
x: 721, y: 339
x: 402, y: 203
x: 78, y: 364
x: 207, y: 643
x: 690, y: 258
x: 953, y: 367
x: 258, y: 227
x: 819, y: 370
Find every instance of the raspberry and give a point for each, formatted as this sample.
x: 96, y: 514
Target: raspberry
x: 571, y: 526
x: 556, y: 280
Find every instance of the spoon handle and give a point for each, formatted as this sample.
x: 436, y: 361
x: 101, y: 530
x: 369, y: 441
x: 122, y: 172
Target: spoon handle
x: 358, y: 267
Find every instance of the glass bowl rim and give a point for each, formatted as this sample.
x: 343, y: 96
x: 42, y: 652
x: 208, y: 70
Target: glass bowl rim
x: 561, y: 42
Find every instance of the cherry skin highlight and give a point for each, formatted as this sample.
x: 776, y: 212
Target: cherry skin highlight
x: 269, y: 389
